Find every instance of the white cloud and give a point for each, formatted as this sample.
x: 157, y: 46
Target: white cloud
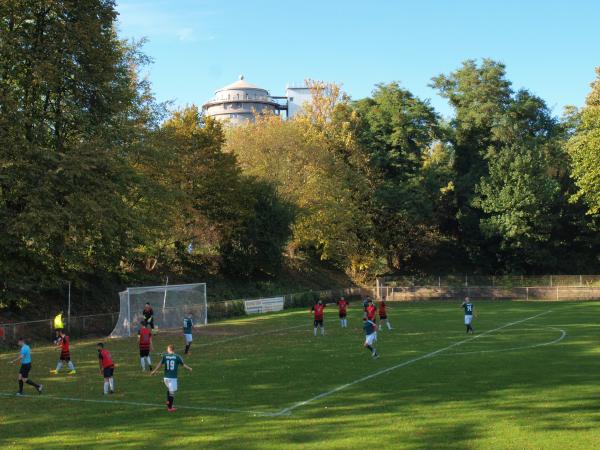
x: 186, y: 34
x: 157, y: 19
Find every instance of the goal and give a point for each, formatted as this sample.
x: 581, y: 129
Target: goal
x: 169, y: 303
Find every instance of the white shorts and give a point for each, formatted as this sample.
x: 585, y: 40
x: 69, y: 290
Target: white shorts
x: 468, y: 320
x: 171, y: 384
x: 371, y: 338
x: 188, y: 338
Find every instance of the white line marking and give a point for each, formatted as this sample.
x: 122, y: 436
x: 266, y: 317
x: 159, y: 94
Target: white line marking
x: 250, y: 335
x: 289, y: 409
x: 543, y: 344
x: 124, y: 402
x: 220, y: 341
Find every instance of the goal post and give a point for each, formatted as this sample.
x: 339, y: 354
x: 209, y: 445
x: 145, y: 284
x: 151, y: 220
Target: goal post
x: 170, y: 304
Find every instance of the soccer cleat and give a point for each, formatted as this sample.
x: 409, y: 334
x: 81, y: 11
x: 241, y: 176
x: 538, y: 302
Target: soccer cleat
x: 111, y: 392
x: 20, y: 394
x: 54, y: 372
x: 72, y: 372
x: 39, y: 389
x: 171, y: 409
x: 375, y: 355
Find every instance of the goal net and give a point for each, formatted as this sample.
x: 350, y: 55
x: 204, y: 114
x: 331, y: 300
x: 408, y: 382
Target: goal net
x: 169, y: 303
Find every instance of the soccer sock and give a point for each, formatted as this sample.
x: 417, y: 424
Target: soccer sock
x: 111, y: 383
x: 20, y: 386
x: 143, y: 363
x: 370, y: 348
x: 389, y: 325
x: 187, y: 348
x: 106, y: 386
x: 149, y: 362
x: 70, y: 365
x: 59, y: 366
x: 31, y: 383
x: 170, y: 400
x: 315, y: 333
x: 322, y: 331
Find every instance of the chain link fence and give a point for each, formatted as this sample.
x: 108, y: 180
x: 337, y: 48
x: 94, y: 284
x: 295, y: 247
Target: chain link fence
x: 103, y: 324
x: 492, y: 280
x: 564, y: 292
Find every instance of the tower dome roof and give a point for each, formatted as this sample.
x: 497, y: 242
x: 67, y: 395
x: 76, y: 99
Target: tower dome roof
x: 240, y: 84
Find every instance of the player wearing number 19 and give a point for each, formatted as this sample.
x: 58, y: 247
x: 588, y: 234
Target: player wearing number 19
x: 171, y: 361
x: 468, y: 307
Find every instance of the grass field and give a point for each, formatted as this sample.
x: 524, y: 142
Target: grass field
x: 528, y: 379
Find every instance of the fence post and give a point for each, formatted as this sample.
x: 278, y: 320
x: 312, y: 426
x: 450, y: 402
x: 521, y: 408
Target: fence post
x: 580, y: 280
x: 439, y: 281
x: 69, y: 310
x: 556, y: 292
x: 527, y: 290
x: 550, y: 280
x: 466, y: 280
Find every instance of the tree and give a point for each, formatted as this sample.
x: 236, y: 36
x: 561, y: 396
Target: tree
x: 584, y: 149
x: 307, y: 176
x: 215, y: 211
x: 398, y: 132
x: 480, y: 95
x: 71, y: 110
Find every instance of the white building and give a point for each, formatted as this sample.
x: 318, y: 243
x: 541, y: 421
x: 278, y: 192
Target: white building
x: 296, y: 96
x: 239, y: 102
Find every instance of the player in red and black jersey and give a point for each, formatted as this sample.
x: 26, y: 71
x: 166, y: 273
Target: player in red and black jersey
x: 343, y: 311
x: 317, y: 310
x: 383, y: 315
x: 370, y: 310
x: 145, y: 344
x: 107, y: 369
x: 65, y: 354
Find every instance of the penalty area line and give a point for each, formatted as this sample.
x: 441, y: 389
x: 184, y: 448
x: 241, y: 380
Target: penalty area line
x: 288, y: 410
x: 130, y: 403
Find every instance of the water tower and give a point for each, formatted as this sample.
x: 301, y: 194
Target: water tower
x: 238, y: 102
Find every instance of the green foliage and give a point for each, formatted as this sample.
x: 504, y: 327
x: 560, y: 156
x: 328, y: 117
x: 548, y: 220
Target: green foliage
x: 584, y: 148
x: 519, y: 192
x: 71, y: 109
x: 410, y: 171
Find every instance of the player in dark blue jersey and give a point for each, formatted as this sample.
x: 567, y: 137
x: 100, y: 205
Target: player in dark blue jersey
x: 469, y: 309
x: 370, y: 328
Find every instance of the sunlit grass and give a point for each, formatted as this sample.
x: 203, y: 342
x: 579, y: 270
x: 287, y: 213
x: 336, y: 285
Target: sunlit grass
x: 487, y: 397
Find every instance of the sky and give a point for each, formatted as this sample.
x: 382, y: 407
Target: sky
x: 197, y: 46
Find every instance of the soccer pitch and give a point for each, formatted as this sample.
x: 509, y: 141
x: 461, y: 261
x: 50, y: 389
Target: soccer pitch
x: 527, y: 379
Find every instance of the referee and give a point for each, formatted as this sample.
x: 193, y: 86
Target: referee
x: 25, y: 357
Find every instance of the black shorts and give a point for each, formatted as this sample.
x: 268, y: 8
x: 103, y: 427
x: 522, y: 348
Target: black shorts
x: 383, y: 317
x: 108, y: 372
x: 342, y: 315
x: 24, y: 370
x: 149, y: 321
x: 144, y: 353
x: 318, y: 322
x: 65, y: 357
